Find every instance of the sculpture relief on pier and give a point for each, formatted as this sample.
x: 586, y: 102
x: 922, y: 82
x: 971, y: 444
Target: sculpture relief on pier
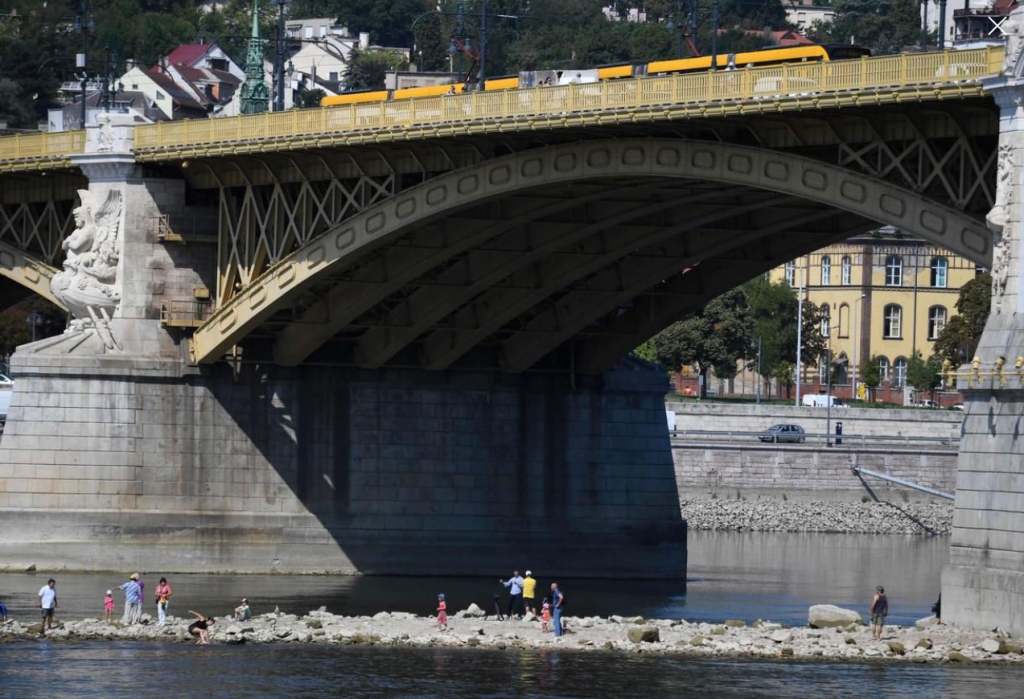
x: 88, y: 285
x: 1000, y: 223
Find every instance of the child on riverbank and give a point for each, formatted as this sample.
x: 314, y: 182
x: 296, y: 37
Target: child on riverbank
x: 545, y: 615
x: 442, y: 612
x: 108, y: 606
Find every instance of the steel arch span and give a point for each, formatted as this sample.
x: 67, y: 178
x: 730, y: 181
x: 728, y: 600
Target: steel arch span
x: 772, y: 199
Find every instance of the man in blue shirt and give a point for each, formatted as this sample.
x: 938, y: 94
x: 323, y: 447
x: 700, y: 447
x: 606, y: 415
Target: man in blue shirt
x: 556, y: 608
x: 515, y: 585
x: 132, y: 600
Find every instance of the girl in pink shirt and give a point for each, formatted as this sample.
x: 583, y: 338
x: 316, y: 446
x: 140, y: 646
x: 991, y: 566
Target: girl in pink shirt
x: 108, y: 605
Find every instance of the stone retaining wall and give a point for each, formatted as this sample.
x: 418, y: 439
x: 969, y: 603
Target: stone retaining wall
x: 807, y: 472
x: 747, y: 417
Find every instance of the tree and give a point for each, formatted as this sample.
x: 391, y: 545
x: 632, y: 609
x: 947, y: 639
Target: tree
x: 774, y: 309
x: 884, y: 26
x: 959, y: 339
x: 310, y: 98
x: 366, y: 69
x: 924, y: 375
x: 716, y: 338
x: 870, y: 374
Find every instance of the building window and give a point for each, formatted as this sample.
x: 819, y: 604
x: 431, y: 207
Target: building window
x: 839, y: 370
x: 899, y: 372
x: 847, y: 271
x: 939, y: 268
x: 936, y: 321
x: 823, y: 369
x: 893, y: 321
x: 790, y: 273
x: 825, y: 320
x: 843, y: 330
x: 883, y: 369
x: 894, y: 270
x: 826, y: 271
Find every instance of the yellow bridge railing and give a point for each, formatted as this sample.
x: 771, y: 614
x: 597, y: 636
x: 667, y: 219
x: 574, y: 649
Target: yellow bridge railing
x: 41, y: 145
x: 774, y: 83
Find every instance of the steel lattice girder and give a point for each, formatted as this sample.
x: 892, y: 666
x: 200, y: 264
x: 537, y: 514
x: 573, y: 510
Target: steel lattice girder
x: 620, y: 160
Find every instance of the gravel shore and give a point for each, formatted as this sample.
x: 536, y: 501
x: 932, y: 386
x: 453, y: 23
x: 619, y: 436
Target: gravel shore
x: 824, y: 517
x: 733, y: 638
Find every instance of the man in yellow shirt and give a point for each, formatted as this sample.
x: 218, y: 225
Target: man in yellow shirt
x: 529, y: 589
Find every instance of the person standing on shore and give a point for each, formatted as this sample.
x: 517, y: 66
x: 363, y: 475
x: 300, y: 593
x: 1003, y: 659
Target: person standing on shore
x: 557, y: 598
x: 529, y: 592
x: 442, y: 612
x: 108, y: 606
x: 515, y: 601
x: 163, y: 594
x: 132, y: 600
x: 879, y: 610
x: 3, y: 612
x: 47, y: 605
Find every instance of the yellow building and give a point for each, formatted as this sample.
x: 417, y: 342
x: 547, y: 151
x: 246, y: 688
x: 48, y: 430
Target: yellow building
x: 882, y: 295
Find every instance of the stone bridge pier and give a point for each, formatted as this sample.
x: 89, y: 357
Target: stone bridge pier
x: 983, y: 585
x: 120, y: 454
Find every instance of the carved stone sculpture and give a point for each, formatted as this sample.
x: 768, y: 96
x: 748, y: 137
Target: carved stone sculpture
x: 88, y: 284
x: 998, y: 220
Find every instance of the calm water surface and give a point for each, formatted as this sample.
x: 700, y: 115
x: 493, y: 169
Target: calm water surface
x: 744, y: 576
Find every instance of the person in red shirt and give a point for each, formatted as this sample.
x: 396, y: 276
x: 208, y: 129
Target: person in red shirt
x: 163, y: 594
x: 442, y: 612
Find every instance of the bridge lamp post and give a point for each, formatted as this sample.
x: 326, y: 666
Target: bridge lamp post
x: 85, y: 22
x: 279, y: 58
x: 759, y: 378
x: 672, y: 27
x: 799, y: 333
x: 856, y: 314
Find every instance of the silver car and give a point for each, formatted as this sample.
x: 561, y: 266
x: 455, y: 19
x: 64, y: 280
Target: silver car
x: 783, y: 433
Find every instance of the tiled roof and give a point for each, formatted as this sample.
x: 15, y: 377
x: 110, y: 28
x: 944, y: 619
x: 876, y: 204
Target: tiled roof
x: 187, y: 54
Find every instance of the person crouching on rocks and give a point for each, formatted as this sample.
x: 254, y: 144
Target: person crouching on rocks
x: 879, y: 610
x: 442, y: 612
x: 242, y: 611
x: 199, y: 628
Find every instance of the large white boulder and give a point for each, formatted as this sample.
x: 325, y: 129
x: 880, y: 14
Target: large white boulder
x: 822, y: 616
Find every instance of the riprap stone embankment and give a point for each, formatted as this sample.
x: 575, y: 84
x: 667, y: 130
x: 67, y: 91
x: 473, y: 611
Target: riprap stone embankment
x: 768, y: 515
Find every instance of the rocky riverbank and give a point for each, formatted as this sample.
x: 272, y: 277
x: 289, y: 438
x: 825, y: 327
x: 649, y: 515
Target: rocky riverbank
x: 721, y: 514
x: 847, y: 639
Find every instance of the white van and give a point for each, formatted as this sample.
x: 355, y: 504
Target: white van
x: 820, y: 400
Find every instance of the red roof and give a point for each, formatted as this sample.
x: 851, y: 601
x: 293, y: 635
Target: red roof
x: 188, y: 54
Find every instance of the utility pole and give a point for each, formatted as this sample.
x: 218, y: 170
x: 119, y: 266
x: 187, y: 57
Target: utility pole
x: 942, y: 25
x: 828, y: 394
x: 714, y: 35
x: 924, y: 25
x: 483, y: 44
x: 759, y: 378
x: 85, y: 23
x: 279, y: 58
x: 856, y: 347
x: 799, y: 333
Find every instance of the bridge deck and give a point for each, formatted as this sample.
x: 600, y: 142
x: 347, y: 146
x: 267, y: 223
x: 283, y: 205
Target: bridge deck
x: 784, y: 88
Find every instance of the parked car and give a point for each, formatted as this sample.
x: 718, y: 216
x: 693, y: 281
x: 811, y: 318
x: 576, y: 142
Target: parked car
x: 820, y: 400
x: 783, y: 433
x: 925, y: 404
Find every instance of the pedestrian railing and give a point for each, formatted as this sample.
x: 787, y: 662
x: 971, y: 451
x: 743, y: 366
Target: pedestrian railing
x: 744, y: 437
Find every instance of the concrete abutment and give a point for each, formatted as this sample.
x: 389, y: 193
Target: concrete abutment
x: 135, y: 463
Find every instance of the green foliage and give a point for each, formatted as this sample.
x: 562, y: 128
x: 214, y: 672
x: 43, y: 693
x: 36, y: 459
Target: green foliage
x: 870, y: 374
x: 717, y: 337
x: 884, y: 26
x: 14, y: 327
x: 366, y: 69
x: 959, y: 339
x: 310, y: 98
x: 924, y: 375
x: 774, y: 308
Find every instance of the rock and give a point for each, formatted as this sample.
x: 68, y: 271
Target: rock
x: 925, y: 623
x: 639, y: 620
x: 473, y: 641
x: 925, y: 643
x: 698, y: 641
x: 1015, y: 648
x: 381, y: 616
x: 608, y: 645
x: 822, y: 616
x: 850, y: 641
x: 787, y: 652
x: 735, y: 623
x: 314, y: 624
x: 644, y: 634
x: 782, y: 636
x: 529, y: 616
x: 718, y: 630
x: 957, y: 657
x: 31, y: 568
x: 473, y: 611
x: 896, y: 647
x: 992, y: 645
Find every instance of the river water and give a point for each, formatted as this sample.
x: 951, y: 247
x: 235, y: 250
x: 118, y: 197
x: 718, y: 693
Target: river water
x: 742, y: 576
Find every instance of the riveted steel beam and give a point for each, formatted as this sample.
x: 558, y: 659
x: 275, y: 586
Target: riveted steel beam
x: 578, y: 162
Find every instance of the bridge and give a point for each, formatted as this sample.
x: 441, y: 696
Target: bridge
x: 346, y: 338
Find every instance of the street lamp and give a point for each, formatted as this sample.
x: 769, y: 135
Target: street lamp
x: 34, y: 320
x: 799, y: 333
x: 759, y: 378
x: 672, y: 26
x: 85, y: 23
x: 856, y: 347
x: 279, y: 58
